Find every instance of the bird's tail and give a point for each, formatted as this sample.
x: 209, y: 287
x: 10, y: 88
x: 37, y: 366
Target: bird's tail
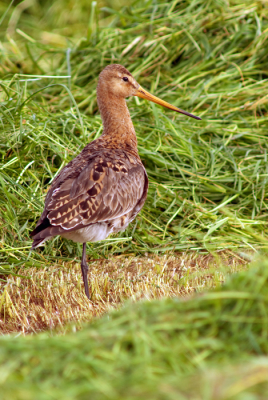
x: 39, y: 242
x: 41, y: 233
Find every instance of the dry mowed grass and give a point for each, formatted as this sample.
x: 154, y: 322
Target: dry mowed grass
x: 44, y: 298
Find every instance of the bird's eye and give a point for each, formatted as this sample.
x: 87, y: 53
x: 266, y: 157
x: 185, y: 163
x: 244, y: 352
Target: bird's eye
x: 125, y: 79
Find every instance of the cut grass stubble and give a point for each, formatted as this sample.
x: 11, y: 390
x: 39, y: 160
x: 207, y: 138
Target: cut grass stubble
x: 45, y: 298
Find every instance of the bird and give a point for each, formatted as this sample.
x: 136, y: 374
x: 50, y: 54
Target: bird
x: 104, y: 187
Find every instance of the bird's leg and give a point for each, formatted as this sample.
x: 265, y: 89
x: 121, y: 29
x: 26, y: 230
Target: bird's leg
x: 84, y: 268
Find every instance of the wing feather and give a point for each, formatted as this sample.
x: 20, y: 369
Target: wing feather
x: 102, y: 191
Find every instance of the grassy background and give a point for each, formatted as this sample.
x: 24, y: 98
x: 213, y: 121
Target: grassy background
x: 207, y: 178
x: 211, y: 347
x: 207, y: 193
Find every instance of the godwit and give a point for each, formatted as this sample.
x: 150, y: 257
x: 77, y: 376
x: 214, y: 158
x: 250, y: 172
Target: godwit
x: 102, y: 189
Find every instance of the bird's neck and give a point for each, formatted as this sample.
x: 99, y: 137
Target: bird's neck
x: 118, y: 129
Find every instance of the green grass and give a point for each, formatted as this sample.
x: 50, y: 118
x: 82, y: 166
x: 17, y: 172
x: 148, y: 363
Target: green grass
x: 212, y: 346
x: 208, y: 178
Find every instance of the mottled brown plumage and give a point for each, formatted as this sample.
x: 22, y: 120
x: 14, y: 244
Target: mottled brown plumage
x: 105, y: 186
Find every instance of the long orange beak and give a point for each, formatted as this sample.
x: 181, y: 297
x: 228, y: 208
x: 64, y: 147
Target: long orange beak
x: 148, y: 96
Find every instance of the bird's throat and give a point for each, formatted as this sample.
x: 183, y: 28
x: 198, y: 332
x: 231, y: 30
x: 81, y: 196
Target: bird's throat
x: 118, y: 129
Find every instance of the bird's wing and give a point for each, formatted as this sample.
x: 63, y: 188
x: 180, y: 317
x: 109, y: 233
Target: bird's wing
x: 103, y: 190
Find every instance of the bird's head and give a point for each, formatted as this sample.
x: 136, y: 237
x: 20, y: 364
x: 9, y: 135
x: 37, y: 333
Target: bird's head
x: 116, y: 80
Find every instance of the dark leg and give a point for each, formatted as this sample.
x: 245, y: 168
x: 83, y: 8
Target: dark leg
x: 84, y: 268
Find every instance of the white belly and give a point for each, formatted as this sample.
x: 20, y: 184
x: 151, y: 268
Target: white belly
x: 91, y: 233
